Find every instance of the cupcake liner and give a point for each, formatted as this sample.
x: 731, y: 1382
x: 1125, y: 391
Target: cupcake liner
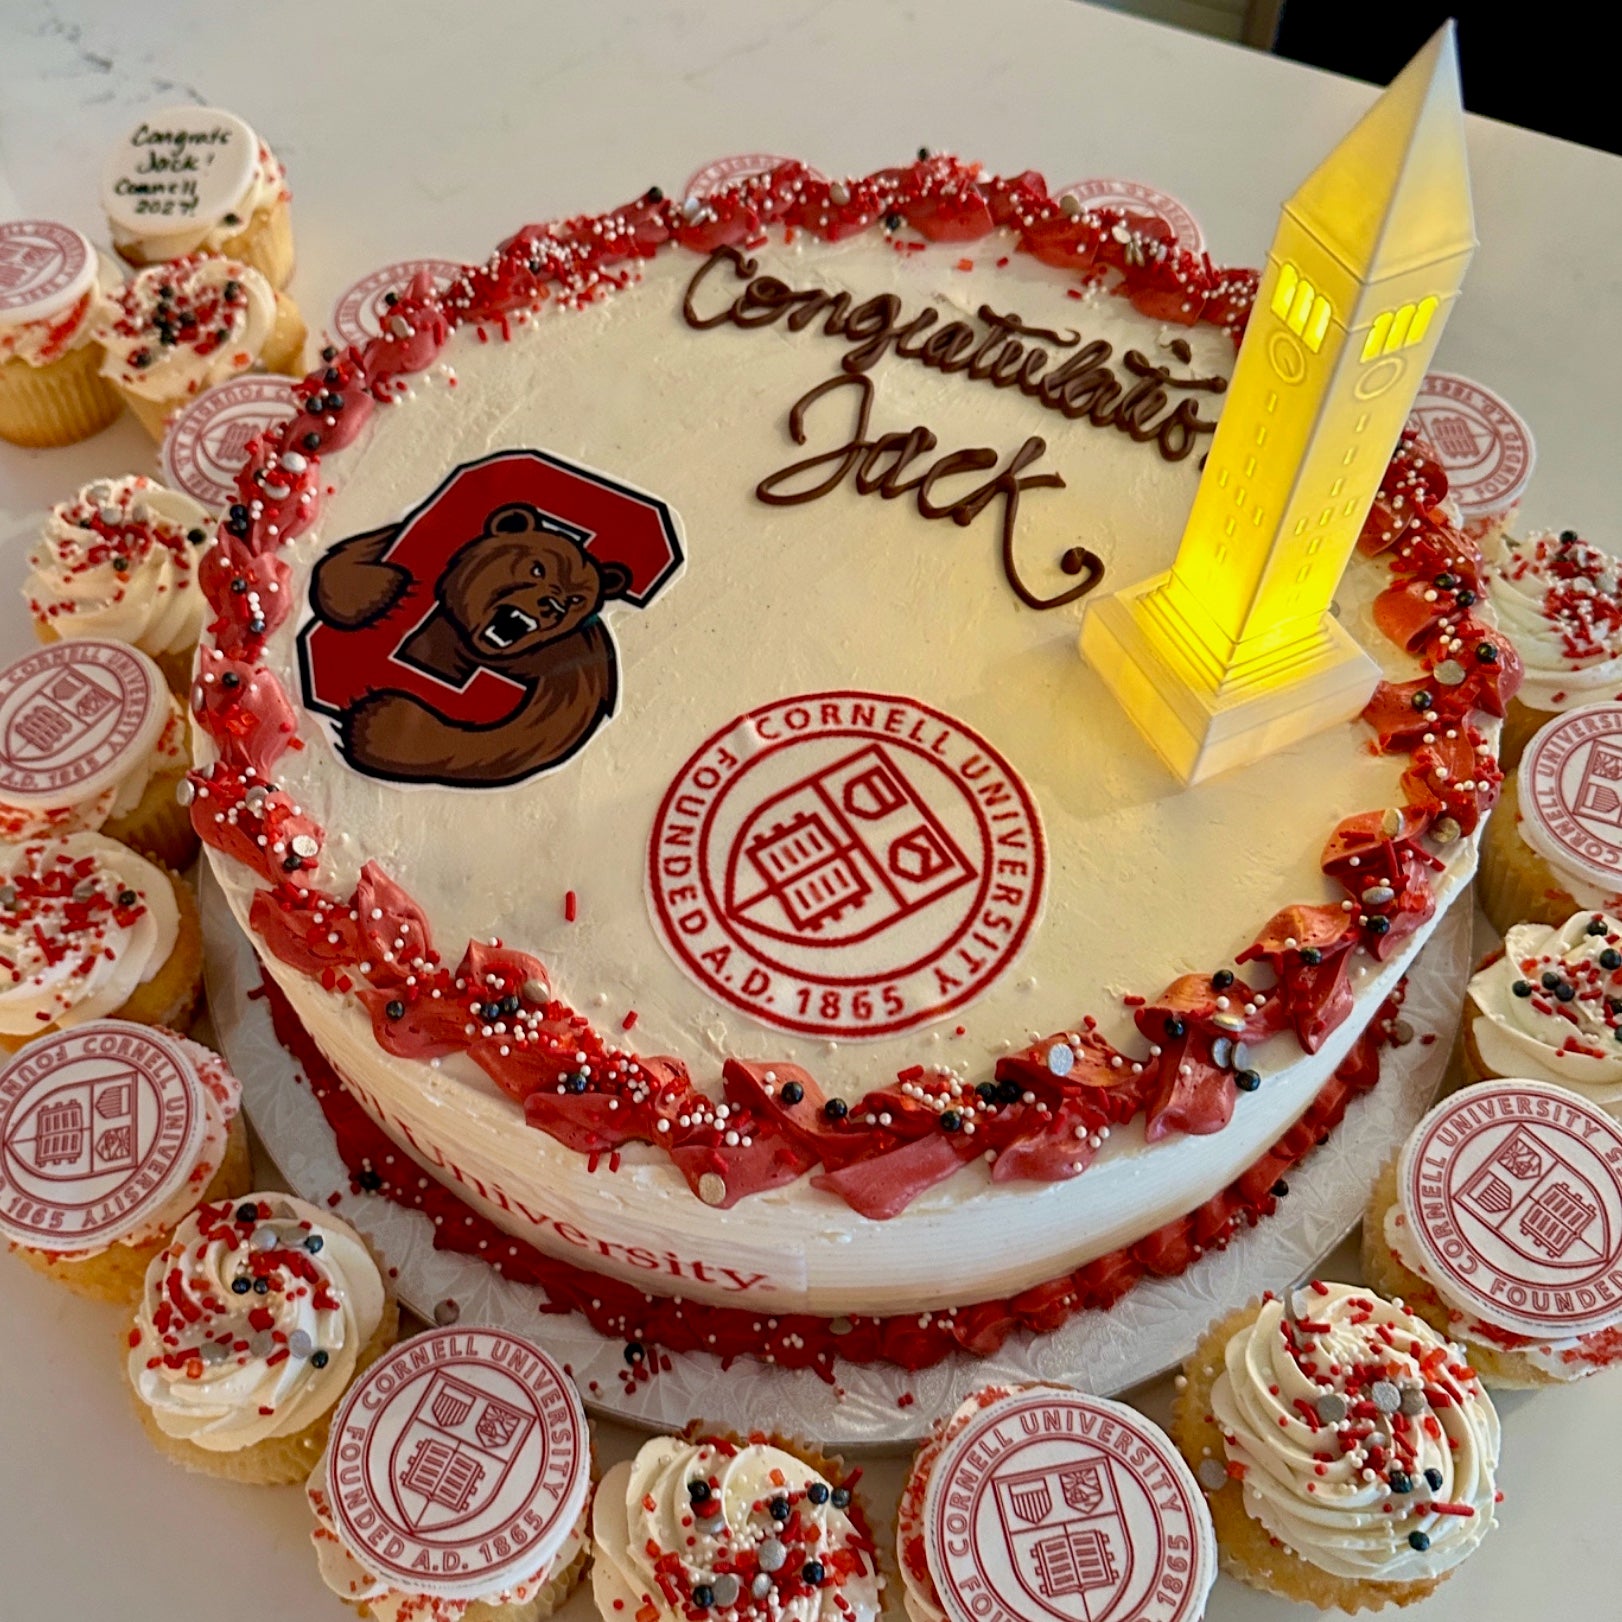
x: 1248, y: 1551
x: 281, y: 1461
x: 1515, y: 884
x: 159, y: 826
x: 118, y: 1274
x: 1384, y: 1272
x: 58, y: 404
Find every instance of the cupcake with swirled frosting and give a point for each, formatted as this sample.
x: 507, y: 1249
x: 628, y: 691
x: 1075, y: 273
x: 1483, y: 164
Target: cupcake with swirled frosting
x: 1348, y: 1452
x: 744, y: 1531
x: 255, y: 1320
x: 1559, y: 599
x: 90, y: 930
x: 181, y: 327
x: 120, y: 561
x: 1548, y: 1007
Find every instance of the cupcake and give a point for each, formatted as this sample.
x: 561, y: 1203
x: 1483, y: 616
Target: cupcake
x: 182, y: 327
x: 1560, y: 601
x: 115, y: 1132
x: 53, y: 297
x: 120, y: 561
x: 1084, y: 1496
x: 1348, y: 1453
x: 1554, y: 845
x: 457, y: 1483
x: 1548, y: 1008
x: 1497, y: 1224
x: 97, y: 742
x: 253, y: 1321
x: 705, y: 1524
x: 197, y: 180
x: 90, y: 930
x: 1484, y: 446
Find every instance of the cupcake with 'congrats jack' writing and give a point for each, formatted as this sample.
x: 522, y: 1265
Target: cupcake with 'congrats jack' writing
x: 182, y: 327
x: 115, y: 1132
x: 1553, y: 847
x: 91, y: 930
x: 120, y: 560
x: 53, y: 296
x: 456, y: 1486
x: 1500, y: 1224
x: 1085, y: 1495
x: 1559, y: 599
x: 1348, y: 1452
x: 253, y: 1321
x: 1548, y: 1007
x: 96, y: 743
x: 706, y: 1525
x: 190, y: 180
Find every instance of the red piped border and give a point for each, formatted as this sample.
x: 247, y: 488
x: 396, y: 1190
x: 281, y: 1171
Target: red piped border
x: 911, y: 1341
x: 1040, y: 1117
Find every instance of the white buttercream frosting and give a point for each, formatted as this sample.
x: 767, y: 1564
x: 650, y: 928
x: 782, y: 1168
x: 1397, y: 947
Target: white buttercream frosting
x: 1569, y: 1357
x: 219, y: 312
x: 351, y: 1581
x: 1560, y: 600
x: 1567, y: 1032
x: 167, y: 755
x: 652, y: 1535
x: 120, y: 561
x: 266, y: 187
x: 226, y: 1368
x: 1350, y: 1349
x: 84, y: 922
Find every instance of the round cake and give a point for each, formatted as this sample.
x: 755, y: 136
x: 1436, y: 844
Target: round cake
x: 648, y: 746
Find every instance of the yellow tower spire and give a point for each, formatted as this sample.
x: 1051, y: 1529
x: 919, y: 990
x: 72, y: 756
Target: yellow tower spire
x: 1233, y: 653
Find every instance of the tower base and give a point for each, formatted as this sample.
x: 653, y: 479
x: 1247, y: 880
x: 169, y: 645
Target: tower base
x: 1201, y: 727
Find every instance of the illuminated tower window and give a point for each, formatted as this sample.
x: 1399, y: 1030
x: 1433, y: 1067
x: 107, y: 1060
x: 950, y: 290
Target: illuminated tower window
x: 1399, y: 329
x: 1301, y: 307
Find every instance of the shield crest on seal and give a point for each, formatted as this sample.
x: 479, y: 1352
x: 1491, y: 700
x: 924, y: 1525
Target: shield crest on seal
x: 1067, y: 1537
x: 1539, y: 1204
x: 454, y: 1454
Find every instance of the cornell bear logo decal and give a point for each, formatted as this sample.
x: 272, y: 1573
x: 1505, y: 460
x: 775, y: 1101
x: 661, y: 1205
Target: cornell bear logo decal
x: 466, y: 644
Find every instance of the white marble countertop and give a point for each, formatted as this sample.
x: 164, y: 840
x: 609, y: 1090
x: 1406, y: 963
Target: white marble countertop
x: 411, y: 129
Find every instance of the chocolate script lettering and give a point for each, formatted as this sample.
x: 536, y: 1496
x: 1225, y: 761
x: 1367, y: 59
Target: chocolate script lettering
x: 1082, y: 387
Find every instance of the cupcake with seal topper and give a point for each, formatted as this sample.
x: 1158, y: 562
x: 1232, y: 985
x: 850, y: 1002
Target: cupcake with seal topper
x: 1548, y: 1007
x: 252, y: 1323
x: 1559, y: 599
x: 1500, y: 1224
x: 111, y: 1134
x: 121, y: 561
x: 91, y: 739
x: 206, y: 444
x: 363, y: 309
x: 457, y: 1483
x: 1555, y: 845
x: 53, y: 296
x: 190, y: 180
x: 1032, y: 1500
x: 182, y: 327
x: 1484, y: 446
x: 752, y: 1529
x: 90, y: 930
x: 1348, y: 1452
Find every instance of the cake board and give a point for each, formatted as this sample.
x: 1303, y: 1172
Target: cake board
x: 1148, y: 1332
